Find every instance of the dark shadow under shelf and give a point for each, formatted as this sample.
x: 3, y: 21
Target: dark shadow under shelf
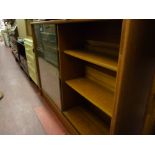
x: 86, y: 122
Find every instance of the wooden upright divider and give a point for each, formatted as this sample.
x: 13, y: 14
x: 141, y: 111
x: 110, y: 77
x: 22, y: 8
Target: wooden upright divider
x: 135, y: 77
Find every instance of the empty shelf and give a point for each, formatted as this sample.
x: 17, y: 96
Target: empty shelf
x: 99, y: 96
x: 94, y: 58
x: 85, y: 121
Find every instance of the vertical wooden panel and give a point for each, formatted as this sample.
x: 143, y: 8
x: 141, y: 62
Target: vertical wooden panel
x: 135, y: 77
x: 149, y: 125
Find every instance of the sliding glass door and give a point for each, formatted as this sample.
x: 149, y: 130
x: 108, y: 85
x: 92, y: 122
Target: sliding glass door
x: 47, y: 51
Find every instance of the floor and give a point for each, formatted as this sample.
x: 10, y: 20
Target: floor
x: 23, y: 110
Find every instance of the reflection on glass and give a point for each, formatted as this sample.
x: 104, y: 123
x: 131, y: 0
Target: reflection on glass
x: 47, y: 43
x: 48, y: 60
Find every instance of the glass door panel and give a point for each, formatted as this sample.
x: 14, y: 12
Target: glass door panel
x: 47, y: 51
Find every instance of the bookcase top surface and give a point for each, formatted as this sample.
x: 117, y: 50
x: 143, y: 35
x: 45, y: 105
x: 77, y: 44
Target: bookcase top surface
x: 63, y: 21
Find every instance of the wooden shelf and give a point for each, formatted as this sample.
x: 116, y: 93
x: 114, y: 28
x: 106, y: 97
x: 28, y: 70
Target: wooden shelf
x: 94, y: 58
x: 85, y: 121
x: 99, y: 96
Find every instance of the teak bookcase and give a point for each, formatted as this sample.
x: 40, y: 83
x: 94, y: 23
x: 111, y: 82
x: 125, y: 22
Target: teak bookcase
x: 106, y: 71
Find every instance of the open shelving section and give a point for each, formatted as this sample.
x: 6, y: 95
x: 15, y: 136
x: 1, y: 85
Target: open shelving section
x: 88, y: 67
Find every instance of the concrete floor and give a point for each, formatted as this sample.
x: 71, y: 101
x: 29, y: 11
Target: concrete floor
x: 22, y: 110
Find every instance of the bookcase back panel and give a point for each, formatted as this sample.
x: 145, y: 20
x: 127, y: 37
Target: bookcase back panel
x: 105, y: 30
x: 100, y: 78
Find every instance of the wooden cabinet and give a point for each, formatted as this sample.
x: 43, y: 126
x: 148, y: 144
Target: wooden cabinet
x: 31, y: 60
x: 105, y: 69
